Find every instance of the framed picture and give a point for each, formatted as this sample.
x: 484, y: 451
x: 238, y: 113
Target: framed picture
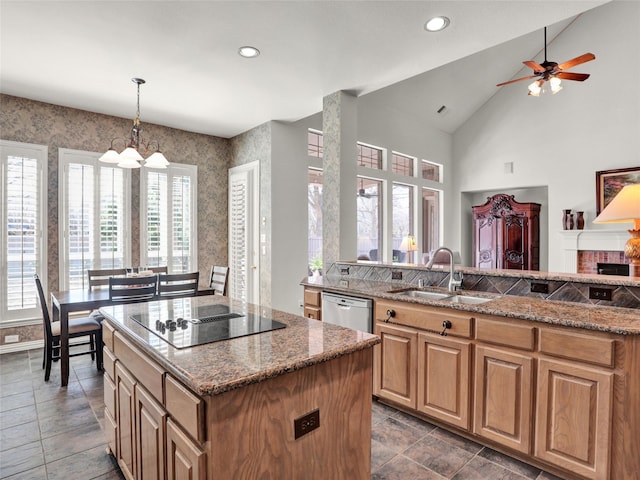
x: 610, y: 182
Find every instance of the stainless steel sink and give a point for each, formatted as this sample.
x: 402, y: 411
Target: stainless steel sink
x: 423, y: 294
x: 445, y: 297
x: 466, y: 299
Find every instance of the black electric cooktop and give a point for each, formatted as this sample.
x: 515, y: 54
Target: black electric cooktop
x: 184, y: 326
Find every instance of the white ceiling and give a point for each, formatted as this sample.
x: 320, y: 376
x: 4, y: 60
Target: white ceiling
x: 82, y: 54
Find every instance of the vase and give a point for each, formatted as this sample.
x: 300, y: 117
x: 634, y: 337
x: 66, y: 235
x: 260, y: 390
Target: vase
x: 580, y: 220
x: 565, y: 219
x: 570, y: 225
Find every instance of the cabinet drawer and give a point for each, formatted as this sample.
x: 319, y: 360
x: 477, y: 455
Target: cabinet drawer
x: 146, y: 372
x: 185, y: 407
x: 109, y: 363
x: 587, y: 348
x: 425, y: 317
x: 312, y: 297
x: 505, y: 333
x: 110, y: 396
x: 313, y: 312
x: 107, y: 335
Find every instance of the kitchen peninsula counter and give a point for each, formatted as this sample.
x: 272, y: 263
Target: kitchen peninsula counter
x: 618, y: 320
x: 288, y: 403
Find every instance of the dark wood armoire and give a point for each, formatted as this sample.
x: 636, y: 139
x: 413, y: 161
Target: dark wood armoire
x: 506, y: 234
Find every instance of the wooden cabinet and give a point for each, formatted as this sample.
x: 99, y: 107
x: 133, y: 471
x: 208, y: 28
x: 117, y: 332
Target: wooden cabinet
x: 313, y: 303
x: 394, y: 359
x: 418, y: 368
x: 147, y: 445
x: 506, y: 234
x: 185, y: 460
x: 443, y: 378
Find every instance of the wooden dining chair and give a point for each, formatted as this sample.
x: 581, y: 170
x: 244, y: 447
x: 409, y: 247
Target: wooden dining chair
x: 159, y: 269
x: 218, y: 280
x: 178, y: 284
x: 99, y: 278
x: 78, y: 327
x: 132, y: 289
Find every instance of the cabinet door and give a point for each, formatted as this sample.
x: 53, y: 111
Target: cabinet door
x: 185, y: 459
x: 514, y: 241
x: 125, y: 421
x: 503, y: 391
x: 573, y: 417
x: 150, y: 436
x: 443, y: 378
x: 486, y: 243
x: 394, y: 364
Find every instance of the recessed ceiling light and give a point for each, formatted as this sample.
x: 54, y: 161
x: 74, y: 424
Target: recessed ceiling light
x: 436, y: 24
x: 248, y: 52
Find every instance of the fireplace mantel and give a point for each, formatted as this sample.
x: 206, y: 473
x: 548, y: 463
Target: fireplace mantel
x: 595, y: 240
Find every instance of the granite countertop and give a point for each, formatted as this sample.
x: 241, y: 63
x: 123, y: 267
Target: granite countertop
x: 618, y: 320
x: 215, y: 368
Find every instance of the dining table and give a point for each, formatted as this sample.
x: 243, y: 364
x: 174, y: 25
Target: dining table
x: 65, y: 302
x: 80, y: 300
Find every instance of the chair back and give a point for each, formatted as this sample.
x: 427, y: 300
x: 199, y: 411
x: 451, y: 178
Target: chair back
x: 132, y: 289
x: 159, y: 269
x: 100, y: 278
x: 218, y: 280
x: 46, y: 319
x: 178, y: 284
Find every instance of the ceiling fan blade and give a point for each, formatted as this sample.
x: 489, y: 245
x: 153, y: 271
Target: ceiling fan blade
x: 516, y: 80
x: 536, y: 67
x: 587, y: 57
x: 580, y: 77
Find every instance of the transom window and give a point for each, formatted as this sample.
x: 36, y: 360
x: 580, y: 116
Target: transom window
x: 430, y: 171
x: 402, y: 164
x: 314, y: 143
x: 370, y: 157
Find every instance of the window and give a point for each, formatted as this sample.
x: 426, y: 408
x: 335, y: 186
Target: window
x: 430, y: 220
x: 95, y: 216
x: 402, y: 164
x: 369, y: 156
x: 403, y: 218
x: 369, y: 218
x: 169, y: 222
x: 314, y: 144
x: 314, y: 200
x: 430, y: 171
x: 24, y: 226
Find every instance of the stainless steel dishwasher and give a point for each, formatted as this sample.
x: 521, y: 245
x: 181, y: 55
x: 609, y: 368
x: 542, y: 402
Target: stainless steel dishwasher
x: 350, y: 312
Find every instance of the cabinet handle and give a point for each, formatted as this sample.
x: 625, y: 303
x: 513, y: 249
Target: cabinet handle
x: 390, y: 314
x: 445, y: 324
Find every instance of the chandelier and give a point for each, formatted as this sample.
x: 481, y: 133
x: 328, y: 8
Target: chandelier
x: 135, y: 147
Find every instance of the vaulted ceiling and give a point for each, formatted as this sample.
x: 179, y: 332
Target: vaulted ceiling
x: 84, y: 54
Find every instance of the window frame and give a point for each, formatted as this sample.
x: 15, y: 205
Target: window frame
x: 173, y: 169
x: 40, y: 153
x: 67, y: 156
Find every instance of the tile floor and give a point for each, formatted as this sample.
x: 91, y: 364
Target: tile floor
x: 50, y: 433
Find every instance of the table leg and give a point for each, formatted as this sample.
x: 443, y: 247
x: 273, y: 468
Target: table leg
x: 64, y: 346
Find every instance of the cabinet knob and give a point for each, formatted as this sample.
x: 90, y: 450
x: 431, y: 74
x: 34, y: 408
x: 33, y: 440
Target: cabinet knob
x: 445, y: 324
x: 390, y: 314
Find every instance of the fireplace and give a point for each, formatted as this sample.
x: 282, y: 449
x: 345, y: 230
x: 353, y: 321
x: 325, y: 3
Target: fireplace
x: 583, y: 249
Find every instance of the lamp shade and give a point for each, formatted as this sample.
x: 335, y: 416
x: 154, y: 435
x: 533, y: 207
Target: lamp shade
x: 624, y: 208
x: 408, y: 244
x: 110, y: 156
x: 156, y: 160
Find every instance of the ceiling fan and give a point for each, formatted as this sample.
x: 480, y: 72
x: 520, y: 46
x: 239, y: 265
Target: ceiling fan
x: 362, y: 193
x: 552, y: 72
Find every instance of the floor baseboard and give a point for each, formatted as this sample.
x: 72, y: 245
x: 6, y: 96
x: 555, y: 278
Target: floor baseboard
x: 20, y: 346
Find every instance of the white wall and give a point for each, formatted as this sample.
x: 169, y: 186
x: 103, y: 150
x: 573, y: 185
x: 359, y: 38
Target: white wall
x: 560, y: 141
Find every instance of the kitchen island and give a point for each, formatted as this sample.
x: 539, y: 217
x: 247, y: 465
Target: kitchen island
x: 294, y: 402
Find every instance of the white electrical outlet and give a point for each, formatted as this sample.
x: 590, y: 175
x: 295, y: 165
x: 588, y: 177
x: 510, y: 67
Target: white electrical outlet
x: 11, y: 338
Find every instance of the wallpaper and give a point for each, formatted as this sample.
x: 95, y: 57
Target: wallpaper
x: 24, y: 120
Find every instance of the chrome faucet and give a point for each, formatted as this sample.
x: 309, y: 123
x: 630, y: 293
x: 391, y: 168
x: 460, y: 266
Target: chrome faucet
x: 455, y: 281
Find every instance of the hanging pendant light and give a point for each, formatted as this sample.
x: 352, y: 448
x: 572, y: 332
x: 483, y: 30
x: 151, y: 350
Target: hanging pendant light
x: 135, y: 146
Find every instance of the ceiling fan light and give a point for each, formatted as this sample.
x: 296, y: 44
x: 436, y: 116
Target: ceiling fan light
x: 556, y: 85
x: 535, y: 88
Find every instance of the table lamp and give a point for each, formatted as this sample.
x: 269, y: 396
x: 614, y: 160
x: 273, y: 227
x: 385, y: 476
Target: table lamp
x: 408, y: 245
x: 625, y: 207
